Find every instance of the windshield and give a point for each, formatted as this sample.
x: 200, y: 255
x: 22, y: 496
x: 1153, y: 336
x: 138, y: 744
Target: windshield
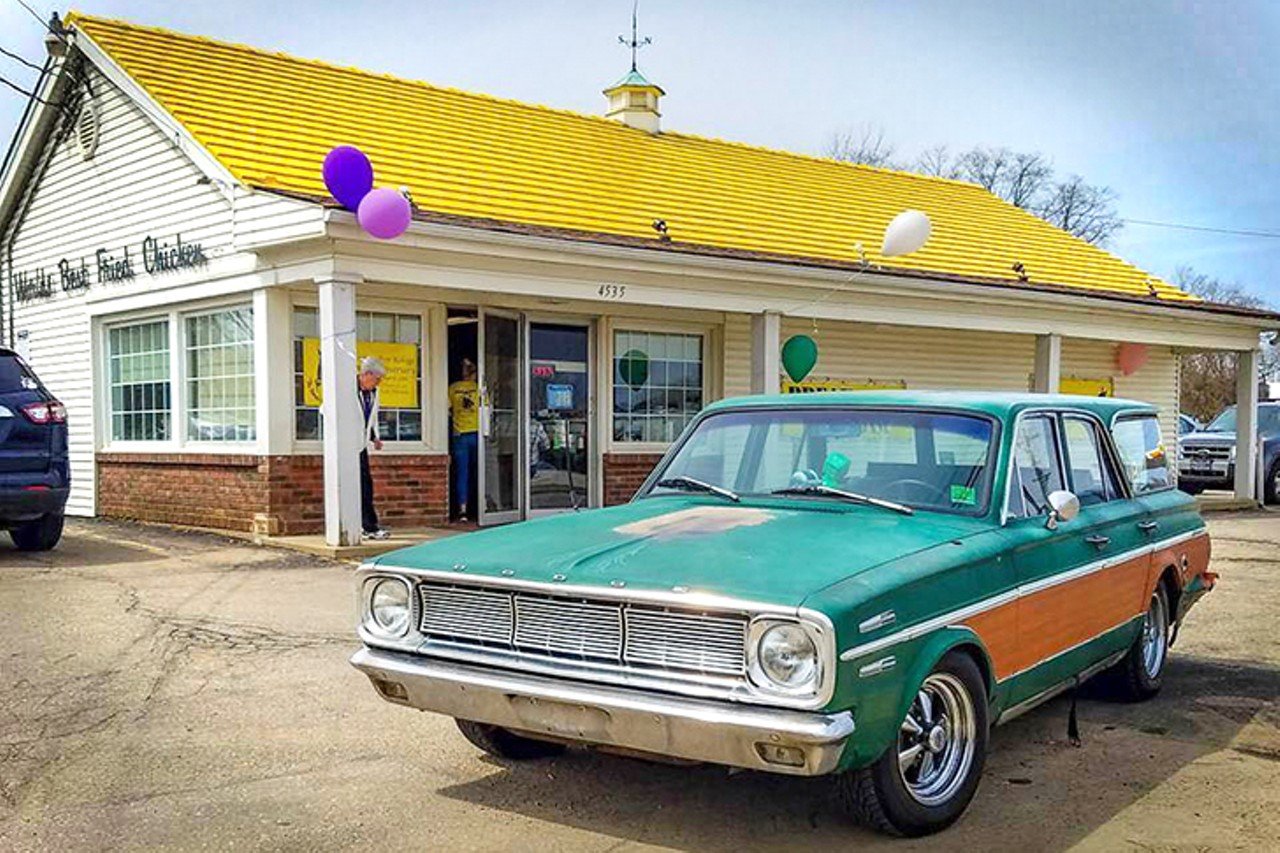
x: 926, y: 460
x: 1268, y: 420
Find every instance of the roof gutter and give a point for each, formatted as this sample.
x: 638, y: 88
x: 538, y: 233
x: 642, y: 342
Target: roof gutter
x: 823, y: 272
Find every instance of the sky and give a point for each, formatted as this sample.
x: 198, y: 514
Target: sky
x: 1173, y: 105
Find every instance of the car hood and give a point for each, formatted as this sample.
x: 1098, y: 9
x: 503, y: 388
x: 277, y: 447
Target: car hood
x: 774, y: 552
x: 1208, y: 439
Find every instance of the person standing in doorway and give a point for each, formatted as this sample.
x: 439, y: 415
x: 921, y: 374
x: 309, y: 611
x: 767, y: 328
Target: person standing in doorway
x: 464, y: 412
x: 371, y: 372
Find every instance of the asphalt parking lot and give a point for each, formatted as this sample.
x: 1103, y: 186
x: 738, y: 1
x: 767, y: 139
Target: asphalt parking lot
x: 171, y: 690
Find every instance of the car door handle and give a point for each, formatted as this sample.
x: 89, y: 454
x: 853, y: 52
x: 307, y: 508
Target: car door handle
x: 1148, y: 526
x: 1098, y: 541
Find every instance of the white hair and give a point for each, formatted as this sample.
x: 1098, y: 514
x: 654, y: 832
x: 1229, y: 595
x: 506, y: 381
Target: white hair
x: 374, y: 366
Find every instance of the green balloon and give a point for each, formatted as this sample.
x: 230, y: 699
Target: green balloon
x: 634, y: 367
x: 799, y: 355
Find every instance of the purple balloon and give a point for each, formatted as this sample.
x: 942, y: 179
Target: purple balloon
x: 348, y: 175
x: 384, y: 213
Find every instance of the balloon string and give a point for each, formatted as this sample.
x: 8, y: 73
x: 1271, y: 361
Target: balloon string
x: 831, y: 291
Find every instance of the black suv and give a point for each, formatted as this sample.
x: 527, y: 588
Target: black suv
x: 35, y: 475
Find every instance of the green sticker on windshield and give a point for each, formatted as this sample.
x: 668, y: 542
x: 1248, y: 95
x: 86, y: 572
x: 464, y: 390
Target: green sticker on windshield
x: 964, y: 495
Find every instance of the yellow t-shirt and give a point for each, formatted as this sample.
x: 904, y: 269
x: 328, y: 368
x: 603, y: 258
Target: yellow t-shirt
x: 464, y: 406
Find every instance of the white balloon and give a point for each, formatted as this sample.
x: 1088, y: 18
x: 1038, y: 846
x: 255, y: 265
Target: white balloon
x: 908, y: 231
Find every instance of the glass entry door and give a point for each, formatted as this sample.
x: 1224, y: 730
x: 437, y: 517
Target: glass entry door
x: 559, y: 387
x: 500, y: 478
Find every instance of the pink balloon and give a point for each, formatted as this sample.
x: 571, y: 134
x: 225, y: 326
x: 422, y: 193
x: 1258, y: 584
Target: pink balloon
x: 1130, y: 357
x: 384, y: 213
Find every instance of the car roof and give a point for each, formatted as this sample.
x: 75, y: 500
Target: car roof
x: 1000, y: 404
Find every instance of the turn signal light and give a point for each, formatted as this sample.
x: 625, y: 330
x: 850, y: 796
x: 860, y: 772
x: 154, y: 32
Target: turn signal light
x: 787, y: 756
x: 51, y: 412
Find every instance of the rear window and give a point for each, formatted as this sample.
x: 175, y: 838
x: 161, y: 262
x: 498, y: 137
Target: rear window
x: 15, y: 375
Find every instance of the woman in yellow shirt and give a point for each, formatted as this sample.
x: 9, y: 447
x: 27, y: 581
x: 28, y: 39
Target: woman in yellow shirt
x: 464, y: 413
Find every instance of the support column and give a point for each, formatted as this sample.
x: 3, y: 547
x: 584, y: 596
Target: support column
x: 340, y: 409
x: 1048, y: 371
x: 766, y: 352
x: 1246, y: 424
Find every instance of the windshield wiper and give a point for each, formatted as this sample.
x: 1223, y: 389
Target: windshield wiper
x: 689, y: 484
x: 815, y: 489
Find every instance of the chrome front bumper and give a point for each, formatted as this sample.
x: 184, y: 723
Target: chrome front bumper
x: 774, y: 740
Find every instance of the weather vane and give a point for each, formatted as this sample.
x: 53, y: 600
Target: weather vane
x: 635, y: 43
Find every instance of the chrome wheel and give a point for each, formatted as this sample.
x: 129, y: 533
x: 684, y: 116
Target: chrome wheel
x: 1155, y: 634
x: 937, y: 739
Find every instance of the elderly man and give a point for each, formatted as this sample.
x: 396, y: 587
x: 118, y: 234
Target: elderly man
x: 371, y: 372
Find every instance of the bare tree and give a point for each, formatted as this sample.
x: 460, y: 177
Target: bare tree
x: 938, y: 162
x: 1209, y: 378
x: 1085, y: 210
x: 866, y: 145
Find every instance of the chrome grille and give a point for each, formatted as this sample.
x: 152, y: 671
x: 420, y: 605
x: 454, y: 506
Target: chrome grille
x: 636, y: 636
x: 564, y: 627
x: 695, y: 641
x: 460, y: 613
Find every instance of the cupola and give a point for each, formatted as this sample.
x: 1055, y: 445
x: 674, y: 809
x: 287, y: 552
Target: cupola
x: 633, y: 100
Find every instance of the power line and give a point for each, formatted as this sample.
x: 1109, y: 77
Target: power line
x: 42, y: 21
x: 21, y: 91
x: 1181, y: 227
x: 17, y: 58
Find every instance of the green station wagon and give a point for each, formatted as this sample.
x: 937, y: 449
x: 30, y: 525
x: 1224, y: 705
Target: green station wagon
x: 856, y: 585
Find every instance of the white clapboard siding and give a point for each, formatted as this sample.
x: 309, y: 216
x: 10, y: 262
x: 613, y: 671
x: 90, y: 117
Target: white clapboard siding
x: 1156, y: 382
x: 934, y: 359
x: 136, y: 185
x: 263, y: 218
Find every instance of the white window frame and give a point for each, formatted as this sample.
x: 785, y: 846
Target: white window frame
x: 425, y: 312
x: 176, y: 316
x: 624, y: 324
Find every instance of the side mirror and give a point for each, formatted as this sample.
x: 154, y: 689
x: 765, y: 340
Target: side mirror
x: 1063, y: 506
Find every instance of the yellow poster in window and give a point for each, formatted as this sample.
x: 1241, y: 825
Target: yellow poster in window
x: 1088, y: 387
x: 399, y: 388
x: 813, y: 385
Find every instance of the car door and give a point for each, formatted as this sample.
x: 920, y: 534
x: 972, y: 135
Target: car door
x: 1072, y: 575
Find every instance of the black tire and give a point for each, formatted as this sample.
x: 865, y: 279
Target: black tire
x: 880, y: 796
x: 504, y: 743
x: 1271, y: 488
x: 1139, y: 675
x: 39, y: 535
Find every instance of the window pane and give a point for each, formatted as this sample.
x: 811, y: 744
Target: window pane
x: 1084, y: 456
x: 656, y: 374
x: 138, y: 372
x: 395, y: 424
x: 220, y: 387
x: 1142, y: 453
x: 1035, y: 466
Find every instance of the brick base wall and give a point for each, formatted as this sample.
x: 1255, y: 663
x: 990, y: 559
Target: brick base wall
x: 271, y: 494
x: 624, y: 473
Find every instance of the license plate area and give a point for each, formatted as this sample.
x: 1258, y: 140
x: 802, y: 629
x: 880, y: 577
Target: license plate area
x: 568, y: 719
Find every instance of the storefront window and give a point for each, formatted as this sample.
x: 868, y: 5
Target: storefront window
x: 220, y: 392
x: 657, y: 384
x: 138, y: 359
x: 394, y: 338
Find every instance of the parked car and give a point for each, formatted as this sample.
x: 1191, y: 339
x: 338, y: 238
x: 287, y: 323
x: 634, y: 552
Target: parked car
x: 35, y: 475
x: 853, y: 585
x: 1188, y: 423
x: 1207, y: 459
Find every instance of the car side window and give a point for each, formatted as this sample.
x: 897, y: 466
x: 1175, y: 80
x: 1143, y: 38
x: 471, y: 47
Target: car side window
x: 1035, y: 467
x: 1092, y: 479
x: 1142, y: 452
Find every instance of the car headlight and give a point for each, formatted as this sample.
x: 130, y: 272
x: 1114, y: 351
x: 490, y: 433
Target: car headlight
x: 788, y: 658
x: 389, y: 606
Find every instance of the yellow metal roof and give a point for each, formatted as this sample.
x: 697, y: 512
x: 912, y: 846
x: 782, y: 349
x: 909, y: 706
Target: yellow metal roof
x: 271, y: 118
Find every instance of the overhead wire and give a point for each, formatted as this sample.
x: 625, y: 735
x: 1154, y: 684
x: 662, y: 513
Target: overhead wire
x: 1241, y: 232
x: 18, y: 58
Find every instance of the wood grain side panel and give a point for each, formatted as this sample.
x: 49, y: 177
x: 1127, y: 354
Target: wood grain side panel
x: 1197, y: 551
x: 998, y: 630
